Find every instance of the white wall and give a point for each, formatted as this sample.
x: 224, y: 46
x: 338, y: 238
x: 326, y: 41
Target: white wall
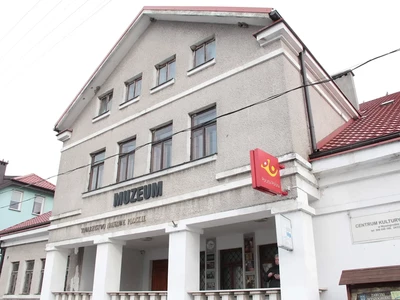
x: 88, y: 264
x: 132, y: 270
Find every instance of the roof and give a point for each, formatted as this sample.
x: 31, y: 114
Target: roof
x: 370, y: 275
x: 379, y: 122
x: 206, y: 14
x: 36, y: 181
x: 37, y: 222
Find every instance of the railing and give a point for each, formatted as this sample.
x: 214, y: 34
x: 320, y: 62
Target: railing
x: 73, y: 295
x: 20, y: 297
x: 139, y: 295
x: 246, y: 294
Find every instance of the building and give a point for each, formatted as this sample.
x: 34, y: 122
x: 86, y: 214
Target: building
x: 22, y: 197
x: 165, y: 205
x: 22, y: 271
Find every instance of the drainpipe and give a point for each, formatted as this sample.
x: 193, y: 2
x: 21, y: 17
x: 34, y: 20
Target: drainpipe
x: 308, y: 103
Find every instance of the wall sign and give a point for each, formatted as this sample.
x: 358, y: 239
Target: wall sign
x: 211, y: 245
x: 265, y: 172
x: 381, y: 295
x: 113, y: 224
x: 284, y: 232
x: 377, y: 227
x: 138, y: 194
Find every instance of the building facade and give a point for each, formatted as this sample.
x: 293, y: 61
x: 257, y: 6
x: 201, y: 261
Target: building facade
x: 23, y: 197
x: 159, y: 201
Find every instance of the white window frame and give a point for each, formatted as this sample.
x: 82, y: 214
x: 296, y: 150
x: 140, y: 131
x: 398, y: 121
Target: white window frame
x: 20, y: 200
x: 41, y: 207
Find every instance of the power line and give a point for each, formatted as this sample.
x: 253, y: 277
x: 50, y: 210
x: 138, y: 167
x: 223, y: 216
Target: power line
x: 270, y: 98
x: 26, y: 200
x: 26, y: 33
x: 19, y: 21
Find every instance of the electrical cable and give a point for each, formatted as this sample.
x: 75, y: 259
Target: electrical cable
x: 270, y: 98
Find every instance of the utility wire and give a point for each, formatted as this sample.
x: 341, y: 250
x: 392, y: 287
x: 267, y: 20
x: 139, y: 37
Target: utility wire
x: 270, y: 98
x: 19, y: 21
x: 26, y: 33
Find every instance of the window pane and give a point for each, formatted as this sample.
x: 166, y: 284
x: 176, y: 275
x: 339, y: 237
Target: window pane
x: 199, y: 56
x: 211, y: 139
x: 156, y: 159
x: 100, y: 176
x: 204, y: 117
x: 167, y: 154
x: 131, y: 161
x: 37, y: 205
x: 93, y: 178
x: 162, y: 75
x: 122, y: 168
x: 171, y: 70
x: 210, y: 50
x: 131, y: 91
x: 138, y: 88
x: 163, y: 133
x: 16, y: 198
x: 128, y: 146
x: 197, y: 144
x: 99, y: 156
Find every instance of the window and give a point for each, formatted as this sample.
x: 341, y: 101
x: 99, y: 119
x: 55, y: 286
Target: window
x: 13, y: 279
x: 43, y: 260
x: 16, y: 199
x: 166, y: 71
x: 204, y: 133
x: 162, y: 148
x: 134, y: 88
x: 38, y: 205
x: 97, y: 169
x: 28, y: 277
x: 126, y: 160
x: 67, y: 273
x: 105, y: 103
x: 204, y: 52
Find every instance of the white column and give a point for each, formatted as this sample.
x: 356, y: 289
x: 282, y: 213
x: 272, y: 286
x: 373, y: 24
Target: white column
x: 183, y: 262
x: 107, y: 271
x: 298, y: 268
x: 54, y: 272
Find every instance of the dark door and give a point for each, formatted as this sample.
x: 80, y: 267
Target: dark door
x: 159, y: 275
x: 267, y: 259
x: 231, y: 269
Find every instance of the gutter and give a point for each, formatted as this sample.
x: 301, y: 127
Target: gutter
x: 360, y: 144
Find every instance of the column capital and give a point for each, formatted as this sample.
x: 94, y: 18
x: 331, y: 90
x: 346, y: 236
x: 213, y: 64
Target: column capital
x: 183, y: 227
x: 105, y: 240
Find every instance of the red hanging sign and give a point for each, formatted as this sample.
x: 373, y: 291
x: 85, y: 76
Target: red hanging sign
x: 265, y: 172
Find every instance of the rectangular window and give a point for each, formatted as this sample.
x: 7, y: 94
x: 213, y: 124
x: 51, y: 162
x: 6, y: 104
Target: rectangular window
x: 126, y: 161
x: 38, y: 205
x: 13, y: 278
x: 97, y: 169
x: 162, y: 148
x: 16, y: 199
x: 43, y: 260
x: 166, y: 71
x: 105, y: 103
x: 204, y: 133
x: 28, y: 277
x: 204, y: 52
x: 134, y: 88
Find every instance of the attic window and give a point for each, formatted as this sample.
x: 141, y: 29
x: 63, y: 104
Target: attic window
x: 387, y: 102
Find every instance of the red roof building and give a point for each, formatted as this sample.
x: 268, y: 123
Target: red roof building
x: 40, y: 221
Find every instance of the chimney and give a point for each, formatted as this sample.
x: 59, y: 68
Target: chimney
x: 3, y: 167
x: 345, y: 82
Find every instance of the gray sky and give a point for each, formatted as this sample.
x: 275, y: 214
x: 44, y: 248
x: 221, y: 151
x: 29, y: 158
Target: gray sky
x: 49, y: 48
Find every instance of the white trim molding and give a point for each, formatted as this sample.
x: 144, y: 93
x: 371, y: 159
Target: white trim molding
x: 127, y: 103
x: 201, y: 67
x: 101, y: 117
x: 162, y: 86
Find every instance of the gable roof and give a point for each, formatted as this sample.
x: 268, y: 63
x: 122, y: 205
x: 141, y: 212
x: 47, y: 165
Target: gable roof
x: 379, y: 122
x: 34, y: 223
x: 207, y: 14
x: 36, y: 181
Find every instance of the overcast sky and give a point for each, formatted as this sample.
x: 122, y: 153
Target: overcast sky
x: 49, y: 48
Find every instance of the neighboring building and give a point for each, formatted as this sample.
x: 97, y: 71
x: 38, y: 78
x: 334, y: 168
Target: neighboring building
x: 166, y: 208
x: 22, y: 270
x: 22, y: 197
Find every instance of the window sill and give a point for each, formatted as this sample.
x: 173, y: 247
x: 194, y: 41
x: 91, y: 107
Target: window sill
x: 201, y: 67
x: 13, y: 209
x: 100, y: 117
x: 162, y: 86
x: 127, y: 103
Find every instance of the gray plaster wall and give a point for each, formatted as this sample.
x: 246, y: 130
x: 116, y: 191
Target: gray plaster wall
x: 21, y: 254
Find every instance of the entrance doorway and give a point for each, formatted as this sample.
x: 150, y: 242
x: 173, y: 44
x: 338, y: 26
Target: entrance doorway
x: 231, y: 269
x: 159, y: 275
